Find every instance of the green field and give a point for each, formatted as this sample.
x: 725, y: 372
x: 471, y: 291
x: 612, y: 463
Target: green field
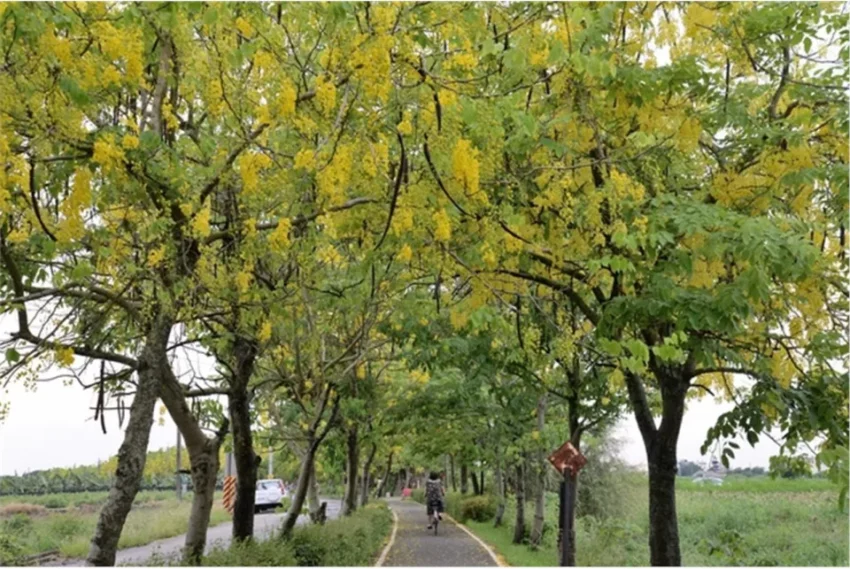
x: 27, y: 527
x: 755, y: 521
x: 76, y: 499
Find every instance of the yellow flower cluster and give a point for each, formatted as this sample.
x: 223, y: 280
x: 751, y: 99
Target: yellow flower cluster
x: 402, y: 221
x: 243, y: 279
x: 489, y: 256
x: 214, y: 98
x: 703, y: 274
x: 458, y: 318
x: 625, y: 187
x: 376, y: 159
x: 333, y: 180
x: 325, y: 95
x: 329, y: 255
x: 201, y: 223
x: 442, y: 226
x: 109, y: 156
x: 244, y: 27
x: 286, y: 99
x: 689, y: 132
x: 698, y: 15
x: 265, y: 332
x: 420, y: 376
x: 279, y: 238
x: 782, y: 368
x: 405, y: 254
x: 156, y: 256
x: 304, y: 159
x: 117, y: 45
x: 71, y: 227
x: 130, y: 141
x: 249, y: 166
x: 405, y: 127
x: 465, y: 167
x: 58, y: 46
x: 64, y: 356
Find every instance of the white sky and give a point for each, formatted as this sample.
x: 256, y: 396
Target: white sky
x: 54, y: 427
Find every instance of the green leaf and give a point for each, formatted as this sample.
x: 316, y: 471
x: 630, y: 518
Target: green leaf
x: 82, y: 271
x: 76, y: 93
x: 610, y: 347
x: 12, y: 355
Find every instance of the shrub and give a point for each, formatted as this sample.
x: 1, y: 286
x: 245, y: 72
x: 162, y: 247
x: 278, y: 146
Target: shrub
x: 478, y: 508
x: 10, y: 550
x: 600, y: 487
x: 55, y: 502
x: 16, y: 509
x: 269, y: 553
x: 19, y: 524
x: 352, y: 541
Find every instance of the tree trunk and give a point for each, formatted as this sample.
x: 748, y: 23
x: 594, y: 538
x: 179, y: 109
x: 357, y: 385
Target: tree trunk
x: 300, y: 492
x: 663, y: 523
x: 454, y: 477
x: 245, y: 352
x: 133, y: 451
x: 203, y: 458
x: 500, y: 494
x: 352, y: 457
x: 540, y: 479
x: 313, y: 503
x: 519, y: 527
x: 475, y: 489
x: 385, y: 478
x: 464, y: 479
x: 660, y: 444
x: 481, y: 484
x: 364, y: 490
x: 204, y: 471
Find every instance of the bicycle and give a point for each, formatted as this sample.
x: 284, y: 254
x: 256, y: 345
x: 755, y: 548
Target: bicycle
x: 434, y: 516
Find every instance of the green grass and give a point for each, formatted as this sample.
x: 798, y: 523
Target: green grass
x: 758, y: 484
x: 353, y: 541
x: 754, y: 521
x: 70, y: 532
x: 75, y: 499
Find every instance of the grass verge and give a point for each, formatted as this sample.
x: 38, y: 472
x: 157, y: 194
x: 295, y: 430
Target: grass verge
x: 70, y: 532
x: 354, y: 541
x: 754, y: 522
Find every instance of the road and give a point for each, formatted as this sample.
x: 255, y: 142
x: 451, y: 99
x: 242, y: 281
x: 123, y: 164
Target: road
x: 265, y: 526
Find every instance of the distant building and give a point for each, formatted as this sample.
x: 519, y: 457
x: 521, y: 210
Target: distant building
x: 714, y: 472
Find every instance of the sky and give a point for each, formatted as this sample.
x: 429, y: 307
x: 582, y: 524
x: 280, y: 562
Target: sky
x: 54, y: 427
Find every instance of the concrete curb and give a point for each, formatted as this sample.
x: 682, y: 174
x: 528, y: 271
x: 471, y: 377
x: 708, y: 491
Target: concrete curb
x: 383, y: 558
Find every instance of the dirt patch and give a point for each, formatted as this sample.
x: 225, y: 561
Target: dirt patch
x: 13, y: 509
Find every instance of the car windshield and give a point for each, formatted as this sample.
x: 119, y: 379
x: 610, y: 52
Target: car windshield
x: 266, y: 485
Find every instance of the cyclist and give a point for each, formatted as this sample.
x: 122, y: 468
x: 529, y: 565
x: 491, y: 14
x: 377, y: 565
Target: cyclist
x: 434, y: 493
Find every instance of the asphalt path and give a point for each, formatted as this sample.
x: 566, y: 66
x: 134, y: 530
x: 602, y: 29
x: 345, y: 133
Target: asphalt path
x: 416, y: 546
x: 219, y: 536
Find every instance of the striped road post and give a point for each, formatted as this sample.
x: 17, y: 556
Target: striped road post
x: 229, y: 497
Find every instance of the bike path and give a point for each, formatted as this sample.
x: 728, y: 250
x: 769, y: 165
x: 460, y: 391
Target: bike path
x: 416, y: 546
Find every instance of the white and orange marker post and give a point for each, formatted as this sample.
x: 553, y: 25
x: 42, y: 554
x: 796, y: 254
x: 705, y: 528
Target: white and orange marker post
x: 229, y: 498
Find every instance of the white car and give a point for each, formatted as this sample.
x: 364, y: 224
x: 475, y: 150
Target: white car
x: 269, y: 495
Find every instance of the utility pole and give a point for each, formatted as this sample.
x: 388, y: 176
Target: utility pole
x: 271, y: 459
x: 177, y: 475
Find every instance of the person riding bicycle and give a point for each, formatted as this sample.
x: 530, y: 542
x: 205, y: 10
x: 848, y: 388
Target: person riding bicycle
x: 434, y: 493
